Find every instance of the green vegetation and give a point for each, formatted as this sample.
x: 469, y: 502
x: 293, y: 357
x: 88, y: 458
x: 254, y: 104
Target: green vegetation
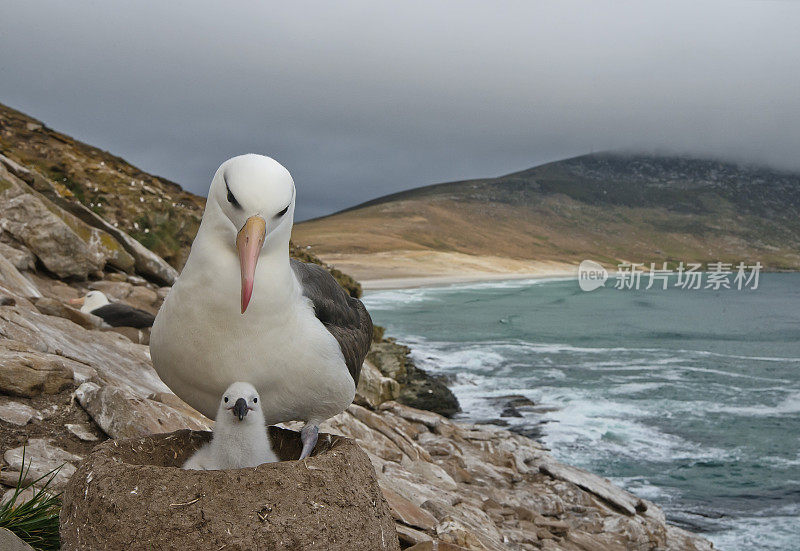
x: 35, y: 521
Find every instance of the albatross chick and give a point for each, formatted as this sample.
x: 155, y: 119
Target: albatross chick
x: 240, y: 436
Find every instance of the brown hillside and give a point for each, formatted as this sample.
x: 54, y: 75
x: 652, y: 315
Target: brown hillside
x: 608, y: 208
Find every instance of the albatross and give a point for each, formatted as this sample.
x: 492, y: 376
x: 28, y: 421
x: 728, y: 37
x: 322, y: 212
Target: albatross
x: 242, y: 310
x: 114, y: 314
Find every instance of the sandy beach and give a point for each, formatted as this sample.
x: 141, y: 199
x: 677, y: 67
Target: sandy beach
x: 405, y: 269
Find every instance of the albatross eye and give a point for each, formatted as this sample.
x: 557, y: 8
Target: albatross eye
x: 255, y: 400
x: 281, y: 213
x: 231, y: 199
x: 226, y: 399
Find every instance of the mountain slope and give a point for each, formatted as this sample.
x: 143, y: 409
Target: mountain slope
x: 606, y: 207
x: 158, y: 213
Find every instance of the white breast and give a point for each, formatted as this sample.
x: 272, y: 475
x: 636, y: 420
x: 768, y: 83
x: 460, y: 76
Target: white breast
x: 201, y: 343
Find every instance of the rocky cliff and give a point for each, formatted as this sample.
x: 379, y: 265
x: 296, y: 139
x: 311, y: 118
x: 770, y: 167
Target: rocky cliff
x: 66, y: 384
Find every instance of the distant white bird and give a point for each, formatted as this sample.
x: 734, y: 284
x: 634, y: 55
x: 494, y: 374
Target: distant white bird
x: 240, y: 436
x: 241, y: 310
x: 115, y: 314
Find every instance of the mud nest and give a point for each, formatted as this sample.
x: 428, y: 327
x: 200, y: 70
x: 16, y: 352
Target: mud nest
x: 132, y: 494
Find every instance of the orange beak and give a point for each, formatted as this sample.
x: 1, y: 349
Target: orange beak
x: 249, y: 241
x: 77, y: 301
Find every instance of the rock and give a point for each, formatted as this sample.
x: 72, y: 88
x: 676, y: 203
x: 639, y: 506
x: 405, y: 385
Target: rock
x: 64, y: 244
x: 53, y: 288
x: 374, y: 421
x: 140, y: 336
x: 25, y: 372
x: 118, y: 496
x: 135, y: 280
x: 590, y: 482
x: 435, y: 545
x: 13, y: 281
x: 82, y: 432
x: 512, y: 400
x: 16, y: 413
x: 418, y: 388
x: 123, y: 414
x: 53, y: 307
x: 553, y: 525
x: 431, y: 420
x: 107, y: 355
x: 142, y: 297
x: 9, y: 541
x: 115, y: 290
x: 432, y: 474
x: 373, y: 388
x: 41, y: 458
x: 146, y: 262
x: 455, y: 532
x: 439, y: 508
x: 19, y: 255
x: 406, y: 512
x: 22, y: 497
x: 409, y: 536
x: 510, y: 411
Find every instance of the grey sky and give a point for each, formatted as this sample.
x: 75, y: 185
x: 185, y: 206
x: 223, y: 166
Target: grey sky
x: 360, y: 99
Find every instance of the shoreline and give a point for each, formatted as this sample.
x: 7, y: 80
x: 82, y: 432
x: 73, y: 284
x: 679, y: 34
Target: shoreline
x: 414, y: 282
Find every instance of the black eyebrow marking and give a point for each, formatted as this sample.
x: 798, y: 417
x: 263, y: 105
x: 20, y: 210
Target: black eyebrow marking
x: 231, y: 199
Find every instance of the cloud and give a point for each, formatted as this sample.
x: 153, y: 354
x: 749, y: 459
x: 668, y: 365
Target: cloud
x: 360, y: 99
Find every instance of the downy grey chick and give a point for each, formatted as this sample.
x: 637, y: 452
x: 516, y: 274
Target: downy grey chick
x: 240, y: 436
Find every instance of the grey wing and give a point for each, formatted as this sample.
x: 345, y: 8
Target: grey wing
x: 342, y: 315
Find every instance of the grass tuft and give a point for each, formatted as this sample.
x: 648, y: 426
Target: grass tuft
x: 36, y: 520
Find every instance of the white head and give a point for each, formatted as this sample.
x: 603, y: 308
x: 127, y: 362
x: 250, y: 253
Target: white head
x: 256, y: 195
x: 238, y: 400
x: 92, y: 301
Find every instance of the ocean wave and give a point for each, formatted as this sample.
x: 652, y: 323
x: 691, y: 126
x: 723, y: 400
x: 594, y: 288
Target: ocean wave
x: 773, y: 531
x: 789, y: 405
x: 379, y: 300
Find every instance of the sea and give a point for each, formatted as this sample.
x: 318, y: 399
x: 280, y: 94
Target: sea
x: 688, y: 398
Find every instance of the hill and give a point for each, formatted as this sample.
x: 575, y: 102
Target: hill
x: 607, y: 207
x: 100, y: 189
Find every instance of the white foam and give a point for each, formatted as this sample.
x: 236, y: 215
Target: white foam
x: 780, y: 531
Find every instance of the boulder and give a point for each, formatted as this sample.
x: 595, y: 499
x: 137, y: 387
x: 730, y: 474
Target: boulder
x: 406, y: 512
x: 123, y: 414
x: 435, y: 545
x: 132, y: 494
x: 146, y: 262
x: 109, y: 356
x: 41, y: 458
x: 418, y: 388
x: 16, y: 413
x: 19, y: 256
x: 10, y: 542
x: 375, y: 389
x: 82, y: 432
x: 66, y: 246
x: 52, y: 307
x: 27, y: 372
x: 12, y: 280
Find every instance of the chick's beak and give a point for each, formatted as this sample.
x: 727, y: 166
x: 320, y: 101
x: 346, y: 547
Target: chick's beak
x: 240, y: 408
x: 249, y: 241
